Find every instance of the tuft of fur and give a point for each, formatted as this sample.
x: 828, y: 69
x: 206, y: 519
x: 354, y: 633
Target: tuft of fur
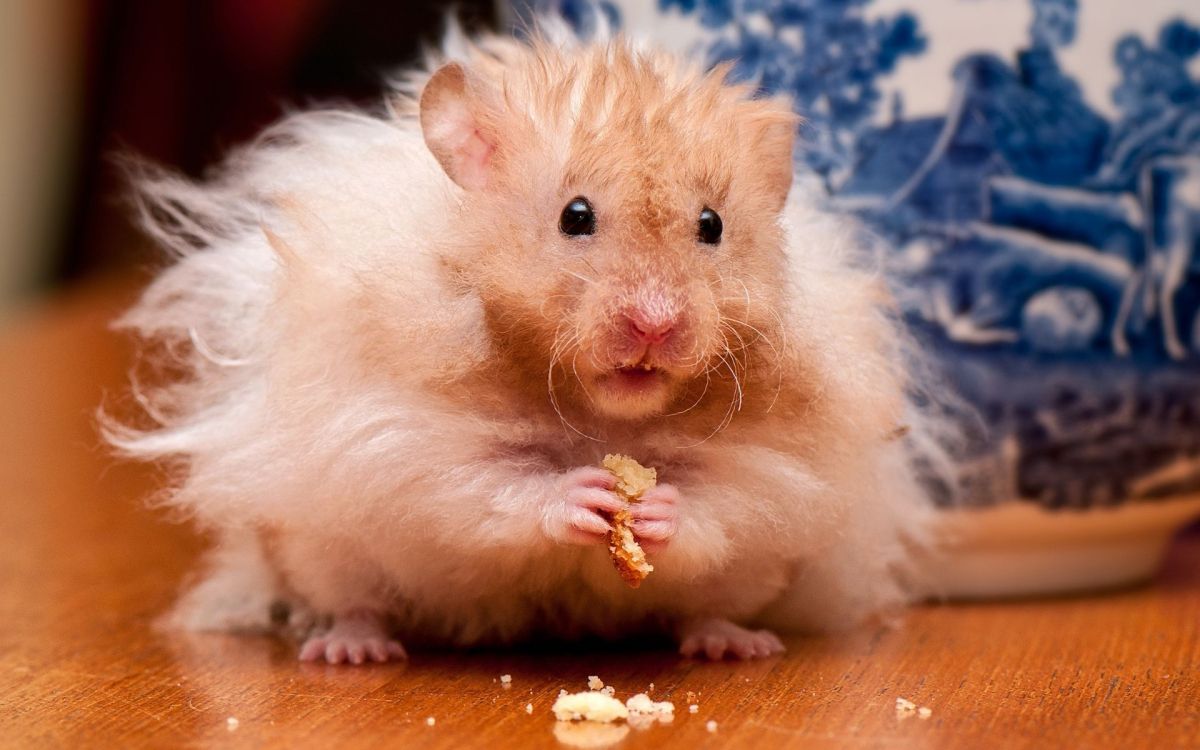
x: 383, y: 376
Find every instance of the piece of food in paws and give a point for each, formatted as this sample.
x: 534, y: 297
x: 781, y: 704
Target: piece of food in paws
x: 633, y: 480
x: 627, y: 555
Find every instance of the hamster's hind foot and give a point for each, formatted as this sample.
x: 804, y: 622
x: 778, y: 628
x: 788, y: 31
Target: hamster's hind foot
x: 718, y: 639
x: 356, y: 637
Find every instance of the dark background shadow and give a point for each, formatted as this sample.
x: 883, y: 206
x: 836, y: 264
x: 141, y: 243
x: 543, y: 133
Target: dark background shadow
x: 178, y: 83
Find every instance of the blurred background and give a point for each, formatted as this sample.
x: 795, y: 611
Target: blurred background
x: 175, y: 82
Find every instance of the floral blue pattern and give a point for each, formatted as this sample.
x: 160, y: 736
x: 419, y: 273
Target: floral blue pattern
x: 1044, y: 251
x: 831, y: 76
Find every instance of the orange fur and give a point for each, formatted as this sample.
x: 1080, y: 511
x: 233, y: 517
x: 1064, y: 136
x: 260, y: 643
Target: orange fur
x: 650, y: 142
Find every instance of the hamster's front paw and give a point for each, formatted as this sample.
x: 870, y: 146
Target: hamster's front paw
x: 584, y: 497
x: 716, y: 639
x: 656, y: 517
x: 356, y: 637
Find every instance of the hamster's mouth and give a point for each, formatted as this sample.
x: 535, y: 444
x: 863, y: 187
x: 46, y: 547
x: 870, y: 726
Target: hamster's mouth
x: 637, y: 376
x: 641, y: 368
x: 632, y: 391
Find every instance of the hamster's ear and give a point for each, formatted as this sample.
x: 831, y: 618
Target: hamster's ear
x: 456, y: 128
x: 772, y: 138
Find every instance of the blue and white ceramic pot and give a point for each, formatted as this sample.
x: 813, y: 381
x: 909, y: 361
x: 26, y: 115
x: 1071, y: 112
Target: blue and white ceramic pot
x: 1035, y: 168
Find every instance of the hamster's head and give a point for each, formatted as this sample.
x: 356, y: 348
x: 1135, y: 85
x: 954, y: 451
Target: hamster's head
x: 619, y: 218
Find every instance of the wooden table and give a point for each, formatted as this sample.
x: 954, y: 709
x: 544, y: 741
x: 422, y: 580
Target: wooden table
x: 85, y: 568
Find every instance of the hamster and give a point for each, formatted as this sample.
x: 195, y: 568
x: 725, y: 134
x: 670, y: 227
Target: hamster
x: 401, y: 342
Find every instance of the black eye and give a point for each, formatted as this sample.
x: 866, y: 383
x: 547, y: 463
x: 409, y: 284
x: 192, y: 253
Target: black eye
x: 710, y: 227
x: 577, y: 218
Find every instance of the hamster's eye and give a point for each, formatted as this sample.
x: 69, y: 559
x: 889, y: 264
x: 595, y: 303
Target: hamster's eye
x: 577, y: 218
x: 710, y: 227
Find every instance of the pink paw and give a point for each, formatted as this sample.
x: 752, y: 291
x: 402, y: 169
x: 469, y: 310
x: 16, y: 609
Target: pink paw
x: 717, y: 639
x: 656, y: 517
x: 355, y: 638
x: 587, y: 500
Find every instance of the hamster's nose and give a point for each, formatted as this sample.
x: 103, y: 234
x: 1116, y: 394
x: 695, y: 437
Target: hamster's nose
x: 650, y: 329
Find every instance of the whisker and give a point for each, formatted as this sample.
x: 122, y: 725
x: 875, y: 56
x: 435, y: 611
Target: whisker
x: 575, y: 372
x: 703, y: 393
x: 744, y: 346
x: 746, y: 291
x: 735, y: 404
x: 557, y: 350
x: 765, y: 339
x: 737, y: 383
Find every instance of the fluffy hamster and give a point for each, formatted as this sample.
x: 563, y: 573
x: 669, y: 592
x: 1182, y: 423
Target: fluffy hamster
x: 407, y: 339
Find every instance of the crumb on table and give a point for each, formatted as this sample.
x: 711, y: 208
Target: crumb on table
x: 649, y: 710
x: 906, y: 708
x: 590, y: 705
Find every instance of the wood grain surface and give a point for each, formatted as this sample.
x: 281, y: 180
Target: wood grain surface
x: 85, y: 569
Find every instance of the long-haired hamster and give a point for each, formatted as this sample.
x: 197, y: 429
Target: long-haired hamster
x: 402, y: 341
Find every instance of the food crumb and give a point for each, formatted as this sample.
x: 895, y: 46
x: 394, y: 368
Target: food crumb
x: 648, y: 708
x: 506, y: 679
x: 906, y: 708
x: 711, y: 725
x: 529, y: 708
x: 691, y: 696
x: 609, y: 690
x: 694, y: 708
x: 595, y: 683
x: 632, y: 480
x: 430, y: 721
x: 231, y: 723
x: 593, y: 706
x: 651, y: 689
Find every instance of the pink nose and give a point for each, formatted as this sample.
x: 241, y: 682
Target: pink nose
x: 648, y: 330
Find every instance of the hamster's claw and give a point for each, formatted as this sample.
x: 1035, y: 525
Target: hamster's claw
x: 355, y: 638
x: 585, y: 498
x: 656, y: 517
x: 717, y: 639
